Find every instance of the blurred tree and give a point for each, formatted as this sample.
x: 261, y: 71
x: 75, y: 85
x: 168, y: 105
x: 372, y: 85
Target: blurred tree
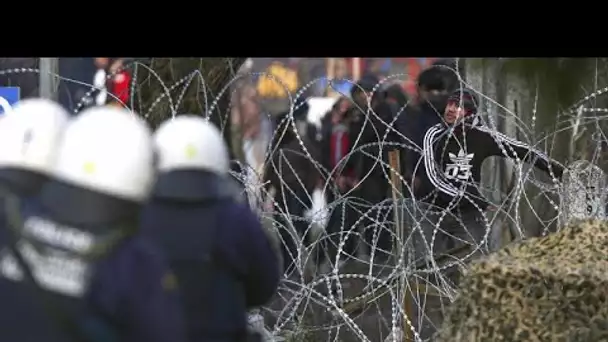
x: 173, y: 86
x: 560, y: 83
x: 551, y: 86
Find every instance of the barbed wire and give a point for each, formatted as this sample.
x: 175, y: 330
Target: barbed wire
x: 360, y: 295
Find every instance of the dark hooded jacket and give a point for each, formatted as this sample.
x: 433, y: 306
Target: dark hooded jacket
x: 289, y: 167
x: 373, y: 129
x: 223, y: 260
x: 105, y: 286
x: 453, y: 156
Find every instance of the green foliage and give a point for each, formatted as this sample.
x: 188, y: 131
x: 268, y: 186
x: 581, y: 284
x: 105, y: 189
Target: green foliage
x: 560, y: 81
x: 202, y: 75
x: 555, y: 84
x: 563, y: 80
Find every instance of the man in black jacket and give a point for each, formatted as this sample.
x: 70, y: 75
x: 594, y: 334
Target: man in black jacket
x: 453, y: 152
x: 453, y: 214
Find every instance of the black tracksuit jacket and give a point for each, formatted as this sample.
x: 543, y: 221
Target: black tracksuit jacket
x: 453, y: 156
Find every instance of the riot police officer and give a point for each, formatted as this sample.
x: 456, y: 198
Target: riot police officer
x: 222, y: 258
x: 28, y: 138
x: 74, y: 268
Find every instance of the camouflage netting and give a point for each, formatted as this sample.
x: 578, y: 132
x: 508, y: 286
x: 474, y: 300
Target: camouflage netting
x: 553, y: 288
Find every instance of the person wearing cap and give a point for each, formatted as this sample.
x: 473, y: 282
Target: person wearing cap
x: 453, y: 153
x: 74, y: 267
x: 223, y: 261
x: 417, y: 118
x: 450, y: 70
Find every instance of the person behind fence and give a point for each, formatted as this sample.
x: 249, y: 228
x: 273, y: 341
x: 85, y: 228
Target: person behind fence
x: 450, y: 70
x: 292, y: 175
x: 373, y: 128
x: 119, y: 86
x: 99, y: 96
x: 418, y: 118
x: 453, y: 153
x: 396, y: 97
x: 223, y: 261
x: 336, y: 144
x: 74, y: 268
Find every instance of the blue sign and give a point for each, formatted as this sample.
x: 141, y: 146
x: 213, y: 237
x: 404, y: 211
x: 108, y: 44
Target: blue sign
x: 8, y: 97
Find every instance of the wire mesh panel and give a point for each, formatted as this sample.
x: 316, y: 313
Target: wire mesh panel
x: 583, y: 193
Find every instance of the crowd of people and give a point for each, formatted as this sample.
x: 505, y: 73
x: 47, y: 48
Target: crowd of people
x: 442, y: 143
x: 94, y: 81
x: 111, y: 232
x: 348, y: 125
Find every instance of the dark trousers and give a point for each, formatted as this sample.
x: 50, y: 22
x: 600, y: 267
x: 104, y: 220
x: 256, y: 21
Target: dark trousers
x: 292, y: 226
x: 340, y: 227
x: 378, y: 222
x: 454, y: 237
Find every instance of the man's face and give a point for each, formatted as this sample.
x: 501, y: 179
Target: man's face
x: 343, y: 105
x: 102, y: 62
x: 116, y: 66
x: 453, y: 112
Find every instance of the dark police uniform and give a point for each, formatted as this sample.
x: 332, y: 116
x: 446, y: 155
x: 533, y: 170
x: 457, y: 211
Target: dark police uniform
x: 223, y: 261
x: 95, y: 279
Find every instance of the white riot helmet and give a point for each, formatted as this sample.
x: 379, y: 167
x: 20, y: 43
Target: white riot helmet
x: 191, y: 142
x: 193, y: 160
x: 108, y: 150
x: 30, y: 133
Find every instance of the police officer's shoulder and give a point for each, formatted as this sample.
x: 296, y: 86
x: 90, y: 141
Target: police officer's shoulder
x: 145, y: 251
x: 240, y: 213
x: 144, y: 262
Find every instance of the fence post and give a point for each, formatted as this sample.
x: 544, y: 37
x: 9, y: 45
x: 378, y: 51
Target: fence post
x: 49, y: 67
